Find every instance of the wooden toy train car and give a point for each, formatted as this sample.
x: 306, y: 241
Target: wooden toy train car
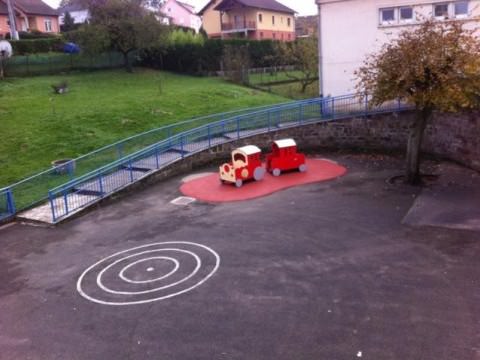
x: 245, y: 165
x: 284, y: 157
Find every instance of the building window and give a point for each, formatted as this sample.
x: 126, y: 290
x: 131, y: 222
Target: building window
x: 260, y: 18
x: 288, y: 22
x: 261, y: 35
x: 387, y: 16
x: 273, y: 20
x: 440, y: 11
x: 274, y: 35
x: 281, y: 19
x: 460, y: 9
x: 48, y: 25
x: 406, y: 14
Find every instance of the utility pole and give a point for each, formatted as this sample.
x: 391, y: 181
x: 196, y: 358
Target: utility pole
x: 11, y: 19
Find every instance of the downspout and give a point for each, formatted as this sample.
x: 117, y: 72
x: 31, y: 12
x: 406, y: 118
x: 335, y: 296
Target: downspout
x: 320, y: 51
x: 11, y: 19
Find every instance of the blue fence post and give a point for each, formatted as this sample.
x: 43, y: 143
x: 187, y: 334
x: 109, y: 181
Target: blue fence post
x: 156, y: 157
x: 130, y: 167
x: 119, y: 150
x: 269, y: 118
x: 209, y: 136
x: 10, y: 202
x: 399, y: 105
x: 52, y: 206
x: 277, y: 120
x: 333, y: 108
x: 65, y: 200
x: 169, y: 136
x: 300, y: 113
x: 181, y: 146
x: 100, y: 183
x: 238, y: 128
x: 366, y: 105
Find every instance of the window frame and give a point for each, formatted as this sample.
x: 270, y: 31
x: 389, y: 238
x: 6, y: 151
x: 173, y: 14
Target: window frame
x: 388, y: 22
x: 406, y: 20
x: 289, y: 22
x: 441, y: 17
x: 49, y: 28
x: 454, y: 10
x: 273, y: 20
x: 260, y: 17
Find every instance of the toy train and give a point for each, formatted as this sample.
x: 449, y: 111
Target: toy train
x: 246, y: 162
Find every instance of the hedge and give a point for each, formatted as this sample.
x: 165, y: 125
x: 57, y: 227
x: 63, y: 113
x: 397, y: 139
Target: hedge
x: 201, y: 59
x: 33, y: 46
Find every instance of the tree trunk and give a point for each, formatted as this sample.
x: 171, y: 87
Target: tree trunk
x: 126, y: 62
x: 414, y: 146
x: 304, y: 86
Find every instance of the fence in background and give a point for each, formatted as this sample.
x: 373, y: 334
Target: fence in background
x: 54, y: 63
x: 80, y: 192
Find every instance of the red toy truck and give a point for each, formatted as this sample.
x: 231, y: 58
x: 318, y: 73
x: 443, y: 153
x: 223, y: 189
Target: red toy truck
x: 246, y: 164
x: 284, y: 157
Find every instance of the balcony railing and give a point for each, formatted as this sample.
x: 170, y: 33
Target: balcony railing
x: 239, y: 25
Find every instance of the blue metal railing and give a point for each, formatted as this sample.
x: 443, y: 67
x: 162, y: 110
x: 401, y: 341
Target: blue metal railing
x: 34, y: 189
x: 7, y: 205
x: 90, y: 187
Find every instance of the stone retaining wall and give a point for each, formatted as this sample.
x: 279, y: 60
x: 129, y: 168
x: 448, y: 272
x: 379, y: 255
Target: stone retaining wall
x: 452, y: 136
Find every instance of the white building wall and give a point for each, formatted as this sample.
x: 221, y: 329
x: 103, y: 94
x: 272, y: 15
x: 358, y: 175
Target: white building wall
x: 351, y: 29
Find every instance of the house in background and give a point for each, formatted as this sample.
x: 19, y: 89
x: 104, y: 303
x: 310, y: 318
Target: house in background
x: 79, y: 13
x: 351, y: 29
x: 252, y: 19
x: 181, y: 14
x: 306, y: 26
x: 29, y: 15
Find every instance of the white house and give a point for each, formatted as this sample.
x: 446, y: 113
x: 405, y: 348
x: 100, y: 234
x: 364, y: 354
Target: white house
x: 79, y: 13
x: 348, y: 30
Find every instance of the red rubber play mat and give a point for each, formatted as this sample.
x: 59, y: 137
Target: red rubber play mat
x: 208, y: 188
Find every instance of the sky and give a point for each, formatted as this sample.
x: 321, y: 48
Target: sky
x: 303, y: 7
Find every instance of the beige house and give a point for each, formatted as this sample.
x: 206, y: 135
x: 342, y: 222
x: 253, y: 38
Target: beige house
x: 252, y: 19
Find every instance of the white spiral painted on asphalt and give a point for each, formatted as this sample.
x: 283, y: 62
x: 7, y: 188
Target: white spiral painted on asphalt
x: 123, y: 278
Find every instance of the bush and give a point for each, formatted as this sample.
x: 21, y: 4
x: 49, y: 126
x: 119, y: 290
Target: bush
x: 200, y: 57
x: 33, y: 34
x: 24, y: 47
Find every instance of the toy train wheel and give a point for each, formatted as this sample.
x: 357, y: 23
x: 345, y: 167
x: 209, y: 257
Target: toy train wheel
x: 302, y: 168
x: 258, y: 173
x: 276, y: 172
x: 238, y: 183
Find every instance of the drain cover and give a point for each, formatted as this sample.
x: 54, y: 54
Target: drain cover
x: 182, y: 200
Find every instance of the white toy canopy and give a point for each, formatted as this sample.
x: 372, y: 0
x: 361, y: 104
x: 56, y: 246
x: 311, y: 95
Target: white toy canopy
x: 248, y: 150
x: 285, y: 143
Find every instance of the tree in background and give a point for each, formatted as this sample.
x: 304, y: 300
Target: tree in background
x: 120, y: 25
x: 236, y: 62
x: 68, y: 22
x: 435, y: 66
x: 303, y: 55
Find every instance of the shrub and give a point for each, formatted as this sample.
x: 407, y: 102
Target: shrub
x: 33, y: 46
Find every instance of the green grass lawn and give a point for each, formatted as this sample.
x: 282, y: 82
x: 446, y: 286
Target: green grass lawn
x: 293, y: 90
x: 38, y: 126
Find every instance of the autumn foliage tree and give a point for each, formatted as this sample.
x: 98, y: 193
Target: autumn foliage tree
x: 435, y: 66
x: 303, y: 55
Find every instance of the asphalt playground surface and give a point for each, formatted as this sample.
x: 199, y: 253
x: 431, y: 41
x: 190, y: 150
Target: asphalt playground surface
x: 328, y: 270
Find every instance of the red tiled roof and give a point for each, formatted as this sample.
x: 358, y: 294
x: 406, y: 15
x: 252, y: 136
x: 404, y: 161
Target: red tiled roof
x: 259, y: 4
x: 30, y: 7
